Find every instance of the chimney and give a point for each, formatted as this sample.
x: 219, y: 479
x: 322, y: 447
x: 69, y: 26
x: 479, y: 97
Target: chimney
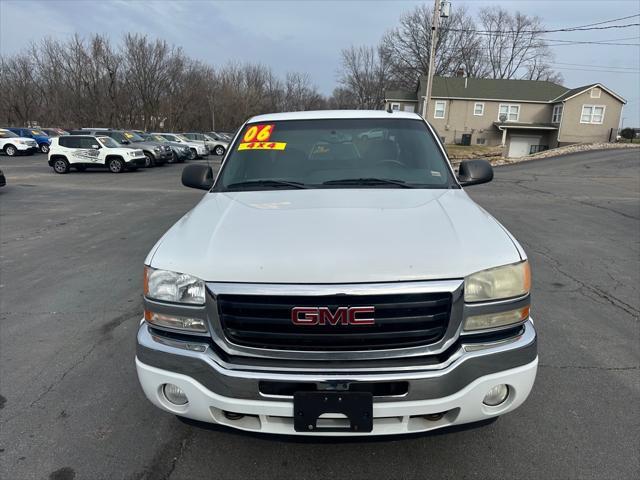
x: 460, y: 72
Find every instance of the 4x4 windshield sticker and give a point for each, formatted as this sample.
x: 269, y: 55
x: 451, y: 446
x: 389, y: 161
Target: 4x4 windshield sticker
x: 257, y: 138
x: 262, y: 146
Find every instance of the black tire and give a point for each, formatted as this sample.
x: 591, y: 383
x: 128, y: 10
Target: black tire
x: 115, y: 165
x: 10, y: 151
x: 193, y: 154
x: 44, y: 148
x: 219, y: 150
x: 61, y: 165
x: 81, y: 168
x: 148, y: 160
x: 174, y: 157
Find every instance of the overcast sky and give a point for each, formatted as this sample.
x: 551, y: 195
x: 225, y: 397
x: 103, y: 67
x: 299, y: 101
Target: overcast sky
x: 307, y: 36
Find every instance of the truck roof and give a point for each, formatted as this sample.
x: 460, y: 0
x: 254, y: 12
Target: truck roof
x: 326, y: 114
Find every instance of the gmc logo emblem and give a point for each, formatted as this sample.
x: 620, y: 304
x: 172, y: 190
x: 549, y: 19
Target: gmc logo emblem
x: 324, y: 316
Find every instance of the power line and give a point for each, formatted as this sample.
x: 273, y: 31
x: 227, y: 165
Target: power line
x: 602, y: 40
x: 637, y: 72
x: 595, y: 66
x: 591, y: 43
x: 613, y: 20
x: 567, y: 29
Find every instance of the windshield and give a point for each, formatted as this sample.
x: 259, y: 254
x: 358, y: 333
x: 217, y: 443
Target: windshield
x: 109, y: 142
x: 38, y: 133
x: 7, y: 134
x: 335, y: 153
x: 133, y: 137
x: 182, y: 137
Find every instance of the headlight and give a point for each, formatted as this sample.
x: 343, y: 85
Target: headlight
x: 173, y: 287
x: 23, y: 142
x: 156, y: 149
x: 175, y: 321
x: 132, y: 153
x: 497, y: 283
x: 495, y: 320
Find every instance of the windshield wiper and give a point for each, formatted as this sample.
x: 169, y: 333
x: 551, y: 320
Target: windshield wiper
x: 267, y: 183
x: 369, y: 181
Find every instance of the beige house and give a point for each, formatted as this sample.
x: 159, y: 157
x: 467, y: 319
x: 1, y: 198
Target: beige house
x: 525, y: 116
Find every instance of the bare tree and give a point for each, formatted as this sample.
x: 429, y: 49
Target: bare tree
x: 364, y: 73
x: 300, y: 93
x: 407, y: 46
x: 515, y: 47
x: 140, y: 83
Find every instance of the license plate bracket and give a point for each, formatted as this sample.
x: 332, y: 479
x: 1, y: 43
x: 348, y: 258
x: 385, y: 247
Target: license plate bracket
x: 356, y: 406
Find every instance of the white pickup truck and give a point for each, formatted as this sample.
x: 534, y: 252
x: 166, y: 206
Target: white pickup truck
x: 334, y: 283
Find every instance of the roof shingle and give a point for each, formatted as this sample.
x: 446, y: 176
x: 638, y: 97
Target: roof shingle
x: 495, y: 89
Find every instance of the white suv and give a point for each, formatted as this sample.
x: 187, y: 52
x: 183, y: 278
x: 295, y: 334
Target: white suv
x: 12, y: 144
x: 84, y: 151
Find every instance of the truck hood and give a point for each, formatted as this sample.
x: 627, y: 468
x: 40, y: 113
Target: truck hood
x: 334, y: 236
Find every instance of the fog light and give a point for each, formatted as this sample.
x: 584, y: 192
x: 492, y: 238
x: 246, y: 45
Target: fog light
x: 496, y: 395
x: 174, y: 394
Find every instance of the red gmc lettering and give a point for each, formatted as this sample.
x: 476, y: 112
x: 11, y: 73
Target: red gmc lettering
x: 304, y: 315
x: 362, y: 320
x: 324, y: 316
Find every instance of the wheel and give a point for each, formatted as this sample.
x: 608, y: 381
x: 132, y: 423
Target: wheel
x: 60, y: 165
x: 81, y: 168
x: 193, y: 154
x: 219, y: 150
x: 149, y: 161
x: 174, y: 157
x: 44, y: 148
x: 115, y: 165
x: 10, y: 150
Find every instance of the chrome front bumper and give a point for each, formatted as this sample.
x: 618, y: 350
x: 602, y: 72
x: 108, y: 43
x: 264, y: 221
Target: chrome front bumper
x: 442, y: 394
x: 426, y: 377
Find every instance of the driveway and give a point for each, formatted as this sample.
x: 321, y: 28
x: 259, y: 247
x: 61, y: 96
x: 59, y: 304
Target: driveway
x: 71, y: 253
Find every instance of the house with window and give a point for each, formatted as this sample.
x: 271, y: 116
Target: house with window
x: 524, y: 116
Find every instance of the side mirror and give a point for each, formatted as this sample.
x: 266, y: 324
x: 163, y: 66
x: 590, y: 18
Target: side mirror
x: 95, y: 147
x: 197, y: 176
x: 474, y: 172
x: 125, y: 142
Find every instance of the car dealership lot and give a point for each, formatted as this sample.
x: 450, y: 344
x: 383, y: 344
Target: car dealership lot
x: 71, y: 253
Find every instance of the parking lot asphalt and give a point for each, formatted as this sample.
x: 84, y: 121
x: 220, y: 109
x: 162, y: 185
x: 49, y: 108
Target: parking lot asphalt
x: 71, y: 254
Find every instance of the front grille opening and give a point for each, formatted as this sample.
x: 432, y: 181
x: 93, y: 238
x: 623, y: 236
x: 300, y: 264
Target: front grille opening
x: 377, y: 389
x: 401, y: 320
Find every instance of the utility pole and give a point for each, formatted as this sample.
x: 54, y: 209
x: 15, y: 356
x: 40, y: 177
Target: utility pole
x: 434, y: 38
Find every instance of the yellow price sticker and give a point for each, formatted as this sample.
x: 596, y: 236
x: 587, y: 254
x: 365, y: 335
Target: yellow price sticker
x: 262, y: 146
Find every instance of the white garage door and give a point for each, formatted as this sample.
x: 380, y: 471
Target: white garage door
x: 520, y: 146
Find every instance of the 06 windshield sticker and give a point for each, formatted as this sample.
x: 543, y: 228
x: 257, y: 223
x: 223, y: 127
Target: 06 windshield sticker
x: 257, y: 138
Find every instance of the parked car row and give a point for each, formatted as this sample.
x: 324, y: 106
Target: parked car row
x: 120, y: 150
x: 161, y: 147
